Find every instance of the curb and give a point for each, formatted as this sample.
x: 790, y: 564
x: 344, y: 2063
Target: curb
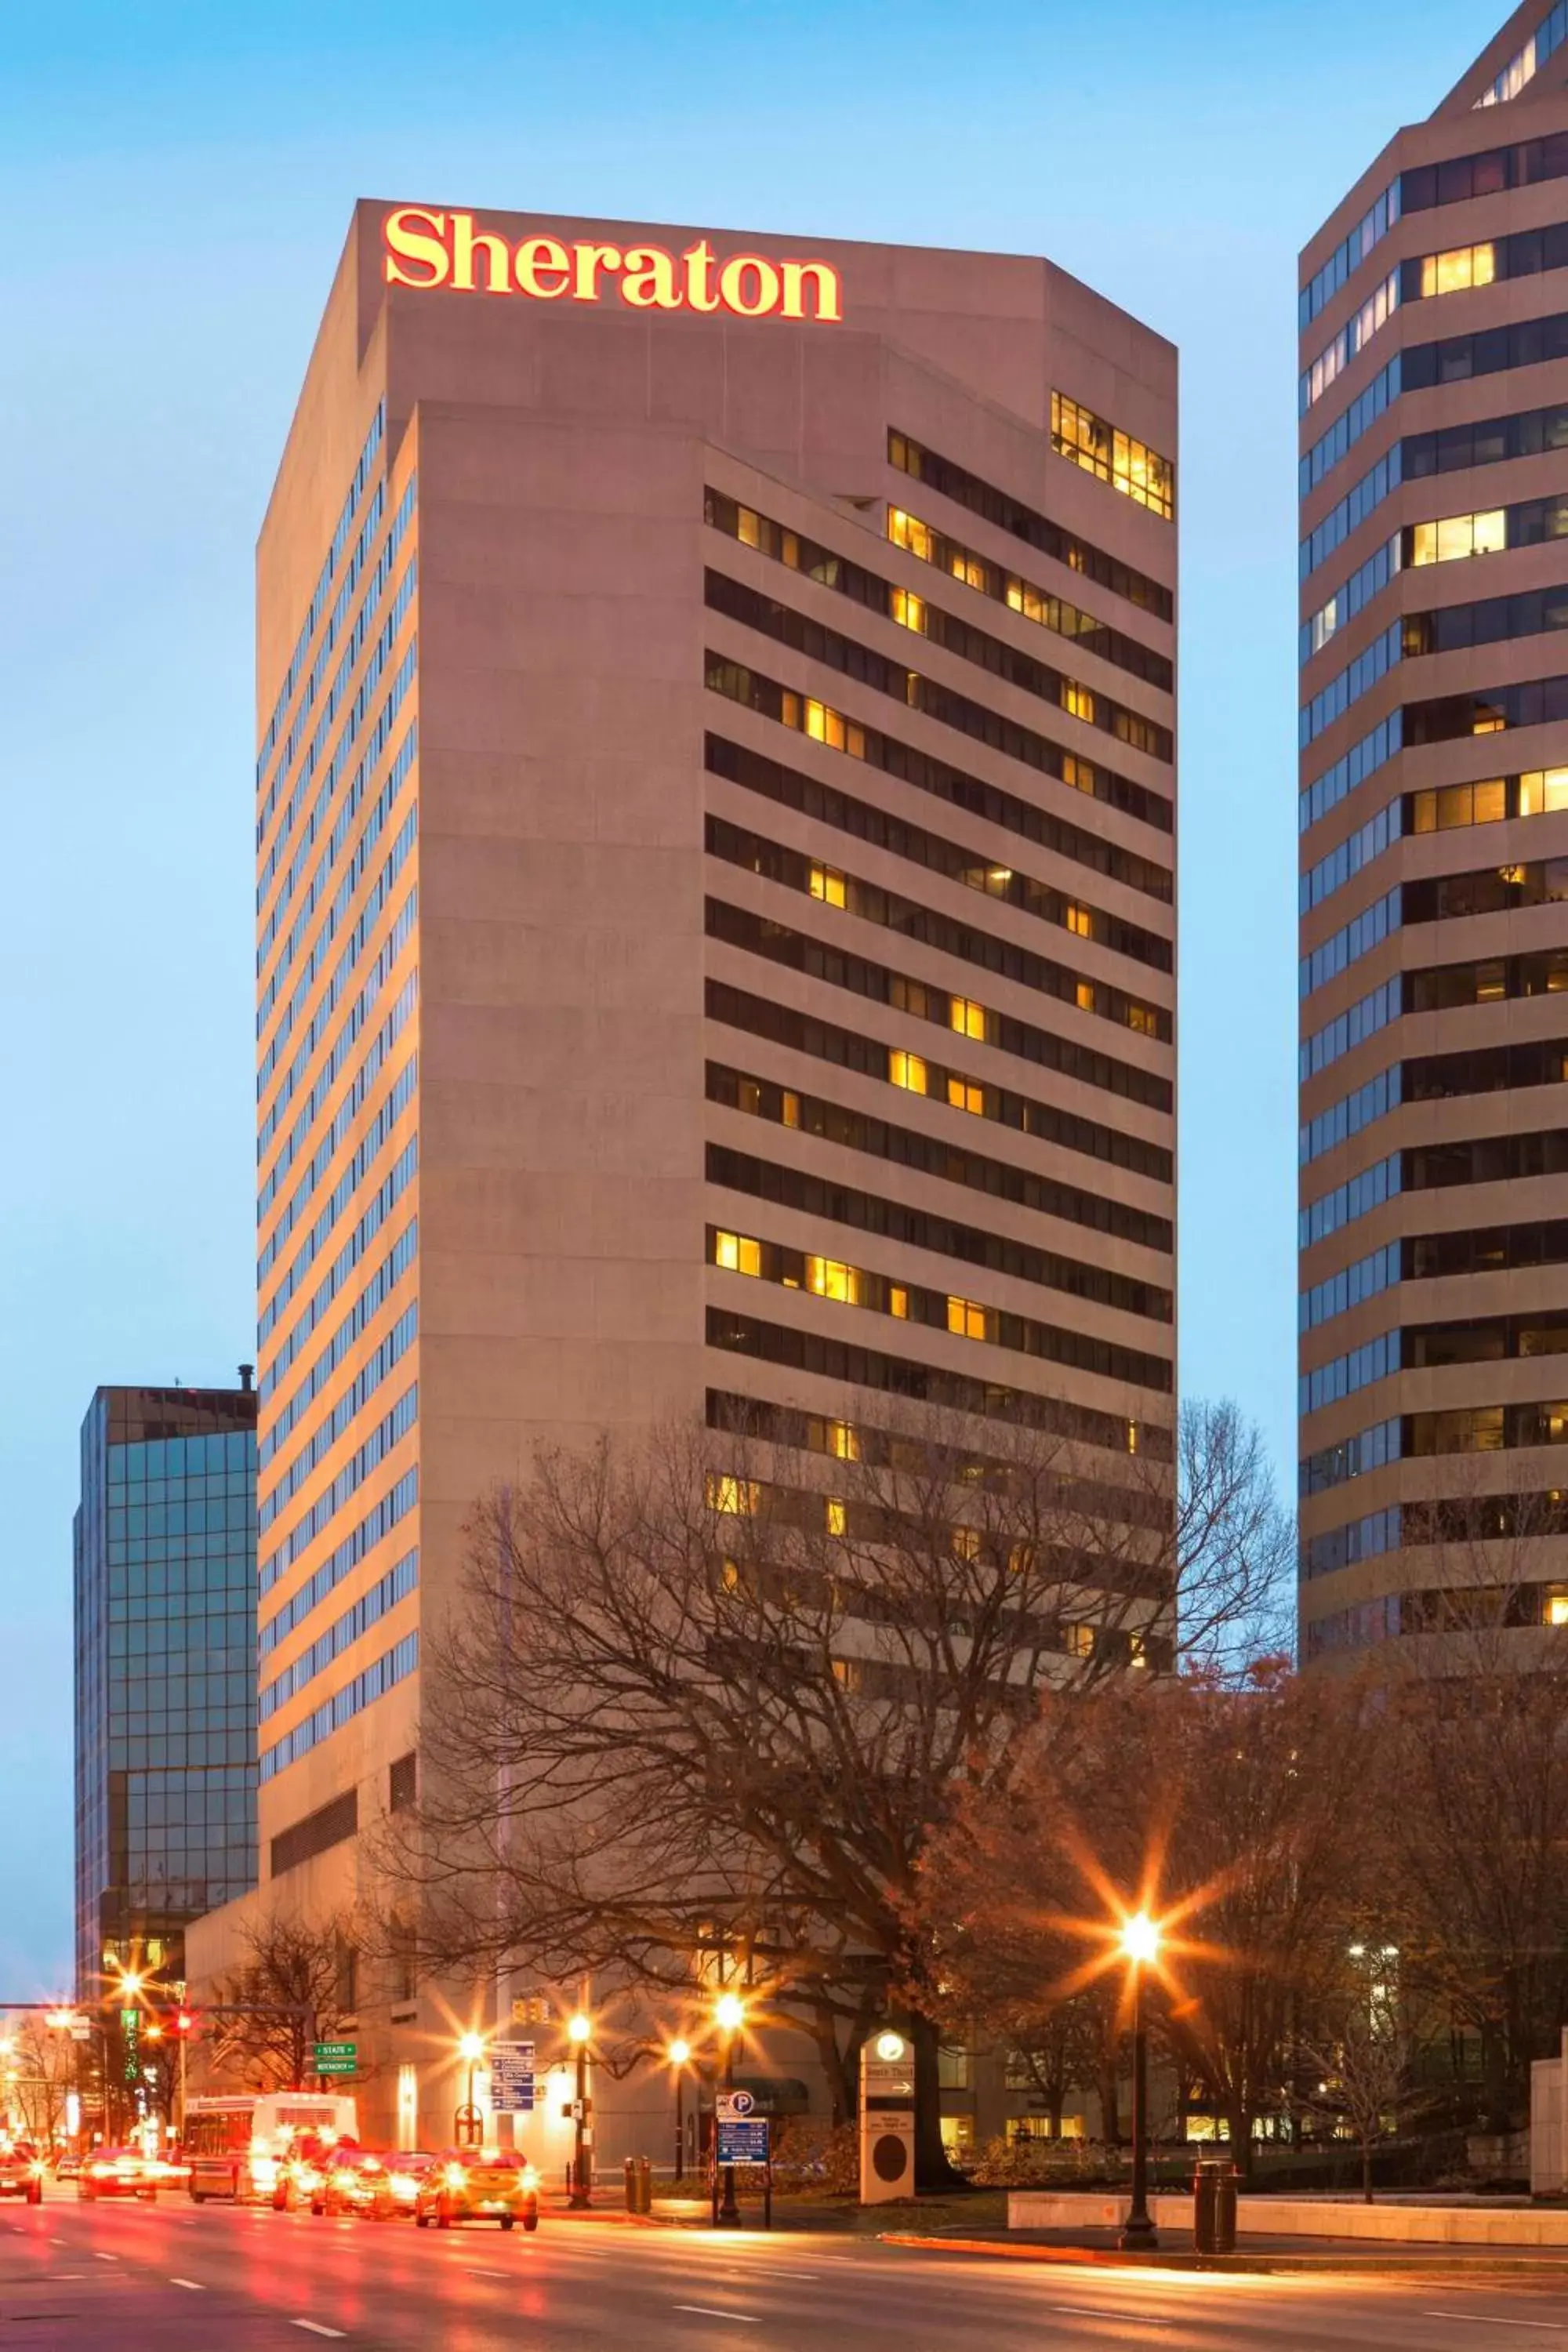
x: 1412, y: 2264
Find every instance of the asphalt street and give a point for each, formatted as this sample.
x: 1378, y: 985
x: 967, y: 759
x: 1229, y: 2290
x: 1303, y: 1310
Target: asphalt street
x: 127, y: 2278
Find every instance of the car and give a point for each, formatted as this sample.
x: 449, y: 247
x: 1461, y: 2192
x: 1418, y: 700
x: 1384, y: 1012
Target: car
x: 117, y: 2172
x: 387, y: 2186
x: 340, y: 2176
x: 21, y: 2172
x: 473, y: 2184
x: 301, y: 2175
x: 67, y: 2164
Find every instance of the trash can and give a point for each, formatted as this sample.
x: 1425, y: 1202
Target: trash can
x: 643, y: 2187
x: 631, y: 2184
x: 1214, y: 2206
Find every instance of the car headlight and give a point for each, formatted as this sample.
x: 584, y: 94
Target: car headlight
x: 530, y: 2177
x: 402, y: 2184
x: 454, y: 2175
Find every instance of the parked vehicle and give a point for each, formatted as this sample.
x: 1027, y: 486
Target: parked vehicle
x: 387, y: 2186
x: 470, y: 2184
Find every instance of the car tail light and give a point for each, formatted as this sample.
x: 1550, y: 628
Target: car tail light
x: 530, y: 2177
x: 454, y: 2175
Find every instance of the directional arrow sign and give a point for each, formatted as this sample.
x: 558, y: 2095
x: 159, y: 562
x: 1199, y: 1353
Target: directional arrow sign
x: 336, y: 2066
x: 337, y: 2050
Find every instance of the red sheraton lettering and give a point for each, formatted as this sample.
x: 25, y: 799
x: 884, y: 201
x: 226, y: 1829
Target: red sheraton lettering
x: 427, y: 249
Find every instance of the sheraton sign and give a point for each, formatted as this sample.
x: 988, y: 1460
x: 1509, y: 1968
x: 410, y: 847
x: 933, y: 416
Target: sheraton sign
x: 440, y: 248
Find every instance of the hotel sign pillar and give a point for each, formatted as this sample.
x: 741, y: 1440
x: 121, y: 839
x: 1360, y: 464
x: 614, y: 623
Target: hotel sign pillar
x: 886, y: 2116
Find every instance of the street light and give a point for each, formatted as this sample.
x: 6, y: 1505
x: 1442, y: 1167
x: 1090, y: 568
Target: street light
x: 1140, y: 1942
x: 729, y: 2015
x: 679, y: 2053
x: 578, y: 2029
x: 467, y: 2123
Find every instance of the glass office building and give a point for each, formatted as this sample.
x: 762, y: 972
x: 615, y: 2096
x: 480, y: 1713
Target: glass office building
x: 165, y: 1670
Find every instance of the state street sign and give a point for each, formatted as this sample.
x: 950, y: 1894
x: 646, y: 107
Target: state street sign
x: 337, y: 2049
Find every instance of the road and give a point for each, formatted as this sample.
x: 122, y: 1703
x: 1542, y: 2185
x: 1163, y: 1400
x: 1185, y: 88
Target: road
x: 127, y: 2278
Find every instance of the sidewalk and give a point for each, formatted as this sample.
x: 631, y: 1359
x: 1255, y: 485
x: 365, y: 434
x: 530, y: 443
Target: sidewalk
x: 1347, y: 2256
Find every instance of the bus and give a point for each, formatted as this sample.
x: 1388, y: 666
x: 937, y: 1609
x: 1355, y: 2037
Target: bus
x: 235, y: 2143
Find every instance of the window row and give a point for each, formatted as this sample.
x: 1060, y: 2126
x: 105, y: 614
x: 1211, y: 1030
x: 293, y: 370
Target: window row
x: 1353, y: 1027
x: 395, y: 1102
x: 1352, y: 1285
x: 1351, y: 596
x: 1357, y: 677
x: 353, y: 1328
x: 1112, y: 455
x: 176, y: 1459
x: 1336, y: 442
x: 973, y: 570
x: 1448, y: 628
x: 369, y: 1610
x: 1350, y: 771
x: 1444, y: 1609
x: 934, y: 621
x: 1361, y: 1107
x: 1325, y: 371
x: 377, y: 1367
x: 1486, y: 1160
x: 1521, y: 69
x: 366, y: 1687
x: 954, y: 1312
x: 1362, y: 499
x: 365, y: 1077
x: 973, y: 868
x: 1024, y: 522
x: 1532, y: 522
x: 868, y: 1213
x: 873, y: 1370
x: 1348, y: 255
x: 1349, y: 943
x: 915, y: 1073
x: 879, y: 1138
x: 1538, y: 792
x: 345, y: 1556
x: 831, y: 886
x: 1352, y: 1457
x: 393, y: 1427
x: 377, y: 1209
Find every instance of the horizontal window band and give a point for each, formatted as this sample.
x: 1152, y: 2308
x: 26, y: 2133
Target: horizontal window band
x: 871, y: 1369
x: 975, y: 869
x: 834, y: 887
x: 913, y: 691
x: 879, y: 1138
x: 819, y: 1198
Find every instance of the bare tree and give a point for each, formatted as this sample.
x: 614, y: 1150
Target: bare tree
x: 711, y: 1697
x: 1230, y: 1813
x: 39, y: 2074
x: 1356, y: 2070
x: 295, y: 1986
x: 1232, y: 1543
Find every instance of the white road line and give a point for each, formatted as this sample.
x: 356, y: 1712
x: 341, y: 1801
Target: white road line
x: 194, y: 2284
x: 105, y: 2258
x: 315, y: 2328
x: 762, y: 2270
x: 475, y: 2271
x: 1106, y: 2311
x: 706, y: 2311
x: 1487, y: 2319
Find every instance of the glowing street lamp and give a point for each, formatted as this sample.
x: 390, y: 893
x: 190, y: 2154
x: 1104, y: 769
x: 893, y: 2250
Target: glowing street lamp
x: 471, y: 2050
x: 1139, y: 1945
x: 578, y: 2030
x: 680, y: 2054
x: 729, y: 2015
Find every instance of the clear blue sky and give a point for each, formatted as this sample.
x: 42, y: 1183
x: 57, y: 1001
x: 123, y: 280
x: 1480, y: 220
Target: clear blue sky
x: 175, y: 183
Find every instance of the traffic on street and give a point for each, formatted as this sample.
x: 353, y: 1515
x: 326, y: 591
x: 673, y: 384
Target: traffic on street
x: 76, y: 2277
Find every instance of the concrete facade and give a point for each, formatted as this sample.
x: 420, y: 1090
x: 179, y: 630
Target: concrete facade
x: 693, y: 643
x: 1434, y: 930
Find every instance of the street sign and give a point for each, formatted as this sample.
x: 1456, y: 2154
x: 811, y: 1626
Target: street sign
x: 335, y: 2066
x: 337, y: 2050
x: 743, y: 2140
x: 336, y: 2058
x: 512, y: 2079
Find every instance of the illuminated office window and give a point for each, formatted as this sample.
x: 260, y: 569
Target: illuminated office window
x: 909, y: 1071
x: 828, y: 884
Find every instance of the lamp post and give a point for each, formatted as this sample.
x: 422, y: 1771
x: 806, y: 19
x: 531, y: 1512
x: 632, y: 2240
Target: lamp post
x: 578, y: 2029
x: 679, y: 2052
x: 470, y: 2049
x: 1139, y: 1945
x: 729, y: 2015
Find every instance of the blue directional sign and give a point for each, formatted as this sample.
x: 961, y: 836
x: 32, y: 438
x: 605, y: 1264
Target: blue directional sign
x: 511, y: 2077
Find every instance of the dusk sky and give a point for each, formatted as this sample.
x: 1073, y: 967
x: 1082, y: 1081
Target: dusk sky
x: 177, y: 183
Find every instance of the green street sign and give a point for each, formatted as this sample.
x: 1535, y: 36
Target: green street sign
x: 337, y: 2049
x: 336, y: 2066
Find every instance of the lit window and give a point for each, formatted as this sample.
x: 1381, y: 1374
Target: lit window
x: 966, y: 1017
x: 966, y: 1543
x: 1077, y: 1641
x: 898, y: 1301
x: 1453, y: 537
x: 789, y: 1109
x: 1544, y: 790
x: 1137, y: 471
x: 1081, y: 921
x: 904, y: 531
x: 1462, y: 266
x: 1138, y: 1650
x: 909, y: 610
x: 1132, y: 1437
x: 829, y: 1277
x: 838, y: 1516
x: 849, y: 1674
x: 1077, y: 700
x: 1557, y: 1609
x: 908, y: 1070
x: 966, y: 1318
x: 748, y: 527
x: 736, y: 1497
x: 738, y: 1255
x: 730, y: 1575
x: 843, y: 1440
x: 1142, y: 1018
x: 965, y: 1096
x: 1085, y: 995
x: 828, y: 884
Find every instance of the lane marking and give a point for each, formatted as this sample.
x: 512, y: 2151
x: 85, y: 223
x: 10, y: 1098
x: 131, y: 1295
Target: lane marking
x: 759, y: 2269
x: 315, y: 2328
x: 706, y: 2311
x: 475, y: 2271
x: 1487, y: 2319
x: 105, y: 2258
x: 194, y: 2285
x: 1105, y: 2311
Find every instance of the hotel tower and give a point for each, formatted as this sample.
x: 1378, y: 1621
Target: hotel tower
x: 1434, y: 873
x: 715, y: 850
